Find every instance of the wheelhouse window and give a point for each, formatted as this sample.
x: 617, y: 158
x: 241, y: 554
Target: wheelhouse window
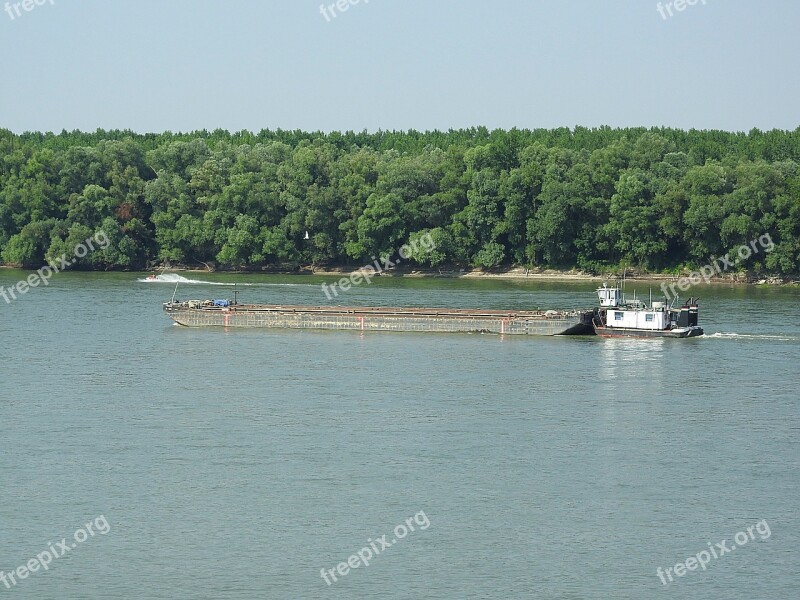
x: 618, y: 316
x: 649, y: 317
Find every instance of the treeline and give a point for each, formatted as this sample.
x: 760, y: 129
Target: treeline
x: 657, y: 199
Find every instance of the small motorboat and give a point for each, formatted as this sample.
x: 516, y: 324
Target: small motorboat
x: 161, y: 277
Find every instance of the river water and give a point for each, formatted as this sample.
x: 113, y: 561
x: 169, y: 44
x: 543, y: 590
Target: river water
x: 239, y: 464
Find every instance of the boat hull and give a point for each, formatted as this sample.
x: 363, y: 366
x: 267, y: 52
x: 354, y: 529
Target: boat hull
x: 548, y: 323
x: 615, y: 332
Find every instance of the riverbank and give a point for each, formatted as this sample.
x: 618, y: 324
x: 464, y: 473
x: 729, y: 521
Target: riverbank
x: 511, y: 273
x: 514, y: 273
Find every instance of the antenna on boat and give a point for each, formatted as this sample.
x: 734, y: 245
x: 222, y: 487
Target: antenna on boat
x: 176, y: 291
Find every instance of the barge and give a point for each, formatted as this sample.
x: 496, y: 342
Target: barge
x: 616, y: 317
x: 223, y: 313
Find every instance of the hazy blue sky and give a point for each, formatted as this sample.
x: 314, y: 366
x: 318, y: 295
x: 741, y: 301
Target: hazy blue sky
x: 155, y: 65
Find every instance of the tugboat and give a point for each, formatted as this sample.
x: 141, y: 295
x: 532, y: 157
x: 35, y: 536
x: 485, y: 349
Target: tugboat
x: 617, y: 317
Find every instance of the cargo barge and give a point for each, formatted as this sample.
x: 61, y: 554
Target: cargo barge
x: 223, y: 313
x: 616, y: 317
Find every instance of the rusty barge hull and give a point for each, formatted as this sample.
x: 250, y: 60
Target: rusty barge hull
x: 362, y: 318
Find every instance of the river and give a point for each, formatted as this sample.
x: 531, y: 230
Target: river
x: 195, y: 463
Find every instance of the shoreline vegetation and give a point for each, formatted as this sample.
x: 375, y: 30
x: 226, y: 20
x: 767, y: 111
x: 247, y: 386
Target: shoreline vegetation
x: 568, y: 203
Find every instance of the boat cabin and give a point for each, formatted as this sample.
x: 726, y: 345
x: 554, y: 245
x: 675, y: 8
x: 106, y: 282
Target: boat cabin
x: 654, y: 317
x: 631, y: 315
x: 609, y: 296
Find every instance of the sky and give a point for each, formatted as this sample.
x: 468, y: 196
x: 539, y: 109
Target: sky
x: 184, y: 65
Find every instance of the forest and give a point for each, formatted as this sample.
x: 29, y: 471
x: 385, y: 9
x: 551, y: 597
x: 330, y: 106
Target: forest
x: 657, y: 199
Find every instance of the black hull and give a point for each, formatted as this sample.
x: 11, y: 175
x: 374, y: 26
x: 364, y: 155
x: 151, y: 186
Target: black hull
x: 618, y: 332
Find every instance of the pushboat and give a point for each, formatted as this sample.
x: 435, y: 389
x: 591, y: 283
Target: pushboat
x: 618, y: 317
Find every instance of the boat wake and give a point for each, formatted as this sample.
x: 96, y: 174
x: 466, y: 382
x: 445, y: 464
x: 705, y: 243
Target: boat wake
x: 752, y: 336
x: 173, y: 278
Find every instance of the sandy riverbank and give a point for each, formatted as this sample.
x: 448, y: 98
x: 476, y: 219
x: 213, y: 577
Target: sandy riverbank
x: 514, y: 273
x: 518, y: 273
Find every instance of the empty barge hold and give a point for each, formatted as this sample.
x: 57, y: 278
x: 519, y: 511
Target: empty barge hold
x: 222, y: 313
